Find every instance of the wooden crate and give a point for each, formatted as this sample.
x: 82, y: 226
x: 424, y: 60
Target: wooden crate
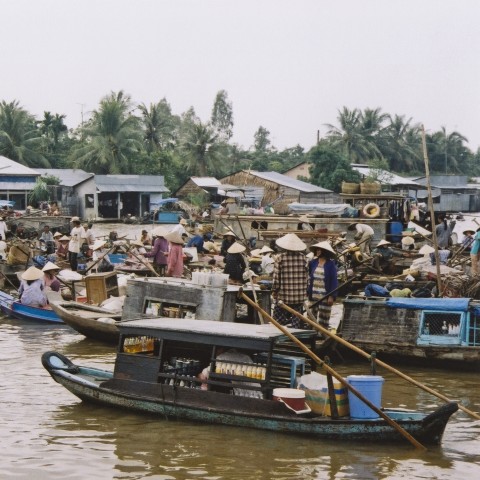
x: 101, y: 286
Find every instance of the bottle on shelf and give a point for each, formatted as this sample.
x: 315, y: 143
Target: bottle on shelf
x: 444, y: 328
x: 426, y: 329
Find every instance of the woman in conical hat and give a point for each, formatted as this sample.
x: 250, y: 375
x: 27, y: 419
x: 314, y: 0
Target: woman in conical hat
x: 49, y: 276
x: 229, y: 239
x: 323, y: 281
x: 175, y: 254
x: 32, y: 289
x: 235, y: 263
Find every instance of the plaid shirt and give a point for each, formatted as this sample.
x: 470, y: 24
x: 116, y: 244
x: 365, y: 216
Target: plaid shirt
x: 290, y: 276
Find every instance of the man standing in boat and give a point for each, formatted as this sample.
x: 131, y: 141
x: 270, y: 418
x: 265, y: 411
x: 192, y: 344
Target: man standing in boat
x: 363, y: 236
x: 290, y: 278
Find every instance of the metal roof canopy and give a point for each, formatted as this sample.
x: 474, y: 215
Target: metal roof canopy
x: 286, y: 181
x: 130, y: 183
x: 69, y: 177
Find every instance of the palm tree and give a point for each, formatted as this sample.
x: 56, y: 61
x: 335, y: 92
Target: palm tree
x: 20, y: 140
x: 350, y: 135
x: 202, y: 149
x: 402, y: 146
x: 159, y: 125
x: 111, y: 138
x: 446, y: 151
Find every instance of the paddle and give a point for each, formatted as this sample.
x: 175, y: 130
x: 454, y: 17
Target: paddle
x: 330, y: 370
x: 141, y: 260
x: 327, y: 332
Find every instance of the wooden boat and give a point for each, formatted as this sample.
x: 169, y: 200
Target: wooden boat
x: 91, y: 321
x: 439, y: 332
x: 145, y: 297
x: 144, y: 380
x: 12, y: 307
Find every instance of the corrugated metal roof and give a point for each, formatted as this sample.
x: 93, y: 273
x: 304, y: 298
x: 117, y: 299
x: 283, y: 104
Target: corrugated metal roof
x: 69, y: 177
x: 383, y: 176
x: 205, y: 182
x: 130, y: 183
x: 289, y: 182
x: 10, y: 167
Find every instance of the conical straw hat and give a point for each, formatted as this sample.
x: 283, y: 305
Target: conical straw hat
x: 383, y: 242
x: 50, y: 266
x: 32, y: 273
x: 324, y: 246
x: 236, y: 248
x: 426, y: 249
x: 159, y: 232
x: 64, y: 239
x: 98, y: 244
x: 57, y: 234
x: 266, y: 249
x: 291, y: 242
x: 174, y: 237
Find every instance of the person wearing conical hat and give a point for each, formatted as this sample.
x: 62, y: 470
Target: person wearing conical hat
x: 175, y: 254
x: 267, y: 260
x: 32, y: 288
x: 383, y: 256
x: 62, y: 248
x: 229, y: 238
x: 235, y: 264
x: 323, y: 281
x: 159, y: 250
x: 290, y: 278
x: 468, y: 239
x: 49, y: 276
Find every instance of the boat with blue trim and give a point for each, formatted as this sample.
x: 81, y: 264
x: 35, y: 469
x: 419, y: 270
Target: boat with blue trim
x: 160, y: 370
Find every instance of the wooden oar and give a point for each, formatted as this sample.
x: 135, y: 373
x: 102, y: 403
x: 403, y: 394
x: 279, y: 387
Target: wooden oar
x: 330, y: 370
x: 327, y: 332
x: 142, y: 261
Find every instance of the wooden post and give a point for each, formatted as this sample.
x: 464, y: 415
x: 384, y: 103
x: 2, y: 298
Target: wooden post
x: 432, y: 213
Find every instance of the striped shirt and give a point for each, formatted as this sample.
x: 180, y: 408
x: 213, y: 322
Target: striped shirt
x: 290, y: 276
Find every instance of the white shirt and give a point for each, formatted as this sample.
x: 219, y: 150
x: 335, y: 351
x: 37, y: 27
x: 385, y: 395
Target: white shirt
x: 179, y: 228
x: 362, y: 228
x: 76, y: 235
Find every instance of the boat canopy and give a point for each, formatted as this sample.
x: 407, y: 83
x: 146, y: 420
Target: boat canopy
x: 319, y: 208
x: 443, y: 304
x: 163, y: 201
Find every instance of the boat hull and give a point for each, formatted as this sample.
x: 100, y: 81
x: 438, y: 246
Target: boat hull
x: 165, y: 401
x: 13, y: 308
x: 396, y: 334
x: 85, y: 320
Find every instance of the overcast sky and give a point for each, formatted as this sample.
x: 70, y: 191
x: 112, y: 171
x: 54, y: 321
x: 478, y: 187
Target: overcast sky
x: 286, y: 65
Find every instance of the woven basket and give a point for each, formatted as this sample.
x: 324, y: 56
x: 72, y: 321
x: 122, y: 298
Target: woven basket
x: 370, y: 188
x: 350, y: 187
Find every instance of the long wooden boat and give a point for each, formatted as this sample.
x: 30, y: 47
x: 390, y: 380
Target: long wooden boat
x: 438, y: 332
x: 156, y: 370
x: 93, y: 322
x: 12, y: 307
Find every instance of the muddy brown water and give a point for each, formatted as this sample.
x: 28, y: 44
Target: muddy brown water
x: 47, y: 433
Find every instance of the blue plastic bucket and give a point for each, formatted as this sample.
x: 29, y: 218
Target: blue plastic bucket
x: 395, y: 230
x: 370, y: 386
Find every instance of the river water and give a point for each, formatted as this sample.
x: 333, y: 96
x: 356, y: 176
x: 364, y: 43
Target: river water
x: 47, y: 433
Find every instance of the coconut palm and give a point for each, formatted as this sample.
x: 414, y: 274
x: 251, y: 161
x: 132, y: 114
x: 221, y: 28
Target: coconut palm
x: 20, y: 139
x: 351, y: 136
x: 446, y: 151
x: 112, y: 138
x: 202, y: 150
x: 159, y: 126
x: 402, y: 146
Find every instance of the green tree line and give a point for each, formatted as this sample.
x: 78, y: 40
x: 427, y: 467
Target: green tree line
x: 122, y: 136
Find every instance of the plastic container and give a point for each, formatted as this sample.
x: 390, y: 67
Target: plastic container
x: 293, y: 397
x: 395, y: 230
x: 370, y: 386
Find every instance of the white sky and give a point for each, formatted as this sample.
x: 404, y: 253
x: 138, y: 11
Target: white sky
x: 286, y: 65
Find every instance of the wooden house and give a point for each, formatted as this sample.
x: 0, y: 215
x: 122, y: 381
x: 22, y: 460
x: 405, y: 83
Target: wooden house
x: 279, y: 190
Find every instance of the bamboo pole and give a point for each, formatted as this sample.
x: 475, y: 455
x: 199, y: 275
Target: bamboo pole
x: 361, y: 352
x: 330, y: 370
x: 432, y: 213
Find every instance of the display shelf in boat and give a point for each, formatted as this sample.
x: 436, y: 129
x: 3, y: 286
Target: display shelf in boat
x: 438, y: 332
x: 12, y: 307
x: 143, y: 380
